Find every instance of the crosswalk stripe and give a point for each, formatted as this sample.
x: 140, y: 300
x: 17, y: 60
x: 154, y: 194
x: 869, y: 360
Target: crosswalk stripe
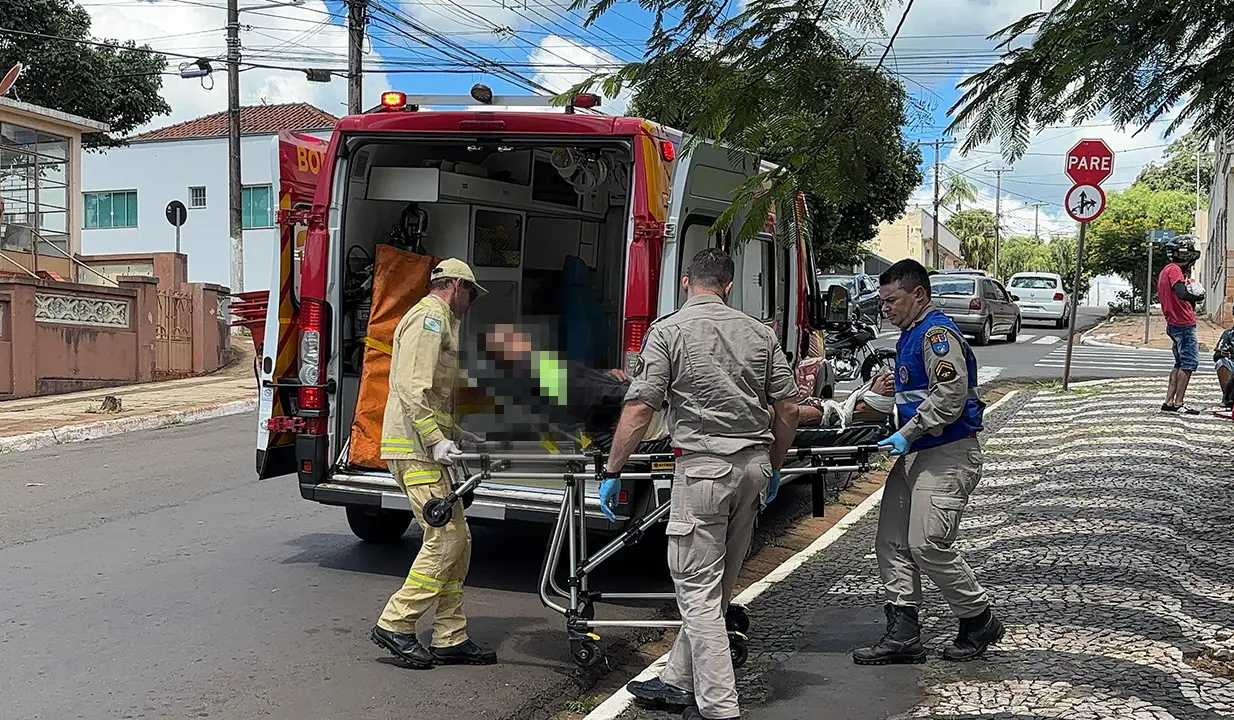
x: 1047, y: 340
x: 1025, y: 338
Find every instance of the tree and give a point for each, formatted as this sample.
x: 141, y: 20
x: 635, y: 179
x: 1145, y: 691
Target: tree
x: 1119, y: 237
x: 778, y: 76
x: 1135, y: 59
x: 975, y: 228
x: 959, y: 190
x: 1025, y: 254
x: 118, y: 85
x: 1177, y: 172
x: 1064, y: 250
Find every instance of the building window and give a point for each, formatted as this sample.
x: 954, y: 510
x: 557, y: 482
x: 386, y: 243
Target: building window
x: 34, y: 191
x: 255, y: 207
x: 197, y: 197
x: 117, y: 209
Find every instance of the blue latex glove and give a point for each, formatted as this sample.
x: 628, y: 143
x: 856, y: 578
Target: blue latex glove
x: 608, y: 496
x: 898, y: 444
x: 773, y: 486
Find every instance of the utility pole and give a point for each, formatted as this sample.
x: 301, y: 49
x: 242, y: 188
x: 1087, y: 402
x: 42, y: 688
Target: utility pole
x: 357, y: 20
x: 998, y: 212
x: 936, y: 143
x: 1037, y: 219
x: 236, y: 221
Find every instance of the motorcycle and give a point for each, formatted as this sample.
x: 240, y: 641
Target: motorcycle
x: 850, y: 353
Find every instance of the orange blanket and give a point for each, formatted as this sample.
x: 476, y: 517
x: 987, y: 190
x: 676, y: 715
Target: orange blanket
x: 400, y: 280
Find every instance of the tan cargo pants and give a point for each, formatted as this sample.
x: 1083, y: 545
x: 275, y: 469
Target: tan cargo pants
x: 440, y: 567
x: 715, y: 501
x: 923, y: 502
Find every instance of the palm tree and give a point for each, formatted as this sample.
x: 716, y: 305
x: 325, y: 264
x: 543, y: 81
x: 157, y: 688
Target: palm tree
x: 958, y: 189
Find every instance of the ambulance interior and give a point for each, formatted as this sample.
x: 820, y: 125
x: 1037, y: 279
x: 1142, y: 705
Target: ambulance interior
x: 543, y: 227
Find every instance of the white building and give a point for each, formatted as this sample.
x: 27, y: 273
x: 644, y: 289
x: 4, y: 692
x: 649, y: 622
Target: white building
x: 126, y: 190
x: 1216, y: 265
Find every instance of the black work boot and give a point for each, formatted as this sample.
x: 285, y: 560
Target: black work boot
x: 692, y: 713
x: 404, y: 647
x: 465, y: 653
x: 976, y: 634
x: 899, y: 645
x: 659, y: 693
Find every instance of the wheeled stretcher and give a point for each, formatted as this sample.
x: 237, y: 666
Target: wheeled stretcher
x: 816, y: 452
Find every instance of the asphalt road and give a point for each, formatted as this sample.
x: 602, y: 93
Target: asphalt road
x: 152, y: 576
x: 1033, y: 355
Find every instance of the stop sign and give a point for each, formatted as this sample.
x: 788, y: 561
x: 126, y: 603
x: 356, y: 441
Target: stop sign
x: 1090, y: 162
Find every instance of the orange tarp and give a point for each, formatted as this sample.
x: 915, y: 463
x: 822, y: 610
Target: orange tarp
x: 400, y: 280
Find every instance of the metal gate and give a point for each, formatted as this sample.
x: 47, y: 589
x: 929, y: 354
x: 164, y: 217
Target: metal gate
x: 174, y: 334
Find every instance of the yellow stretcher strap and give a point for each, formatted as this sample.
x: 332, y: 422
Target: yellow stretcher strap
x: 378, y: 345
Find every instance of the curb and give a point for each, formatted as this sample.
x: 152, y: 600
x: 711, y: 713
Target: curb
x: 619, y: 702
x: 108, y: 428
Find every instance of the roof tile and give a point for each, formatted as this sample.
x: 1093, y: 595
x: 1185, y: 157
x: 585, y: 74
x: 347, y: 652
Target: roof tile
x: 254, y: 119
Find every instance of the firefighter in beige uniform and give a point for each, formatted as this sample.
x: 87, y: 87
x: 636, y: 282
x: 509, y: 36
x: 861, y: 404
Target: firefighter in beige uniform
x: 938, y: 467
x: 418, y: 438
x: 733, y: 413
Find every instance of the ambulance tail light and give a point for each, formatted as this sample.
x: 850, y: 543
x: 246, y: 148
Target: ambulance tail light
x: 312, y: 394
x: 632, y: 340
x: 974, y: 304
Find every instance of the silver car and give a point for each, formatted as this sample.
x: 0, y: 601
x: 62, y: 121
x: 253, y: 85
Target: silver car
x: 979, y: 305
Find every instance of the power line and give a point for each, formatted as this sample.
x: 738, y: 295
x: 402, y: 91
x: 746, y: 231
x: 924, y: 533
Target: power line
x: 891, y: 41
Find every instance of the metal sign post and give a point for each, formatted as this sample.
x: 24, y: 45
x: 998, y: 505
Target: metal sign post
x: 1090, y: 162
x: 177, y: 214
x: 1079, y: 265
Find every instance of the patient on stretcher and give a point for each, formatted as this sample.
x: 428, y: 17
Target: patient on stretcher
x: 872, y: 402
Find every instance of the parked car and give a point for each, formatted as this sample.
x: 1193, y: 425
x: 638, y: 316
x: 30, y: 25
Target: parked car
x: 980, y: 306
x: 1041, y: 297
x: 863, y: 289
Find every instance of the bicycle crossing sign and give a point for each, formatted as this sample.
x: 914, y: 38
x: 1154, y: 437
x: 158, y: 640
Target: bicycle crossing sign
x: 1085, y: 202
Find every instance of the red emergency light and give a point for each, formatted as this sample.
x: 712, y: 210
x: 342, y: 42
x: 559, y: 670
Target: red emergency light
x: 393, y: 100
x: 586, y: 100
x: 668, y: 150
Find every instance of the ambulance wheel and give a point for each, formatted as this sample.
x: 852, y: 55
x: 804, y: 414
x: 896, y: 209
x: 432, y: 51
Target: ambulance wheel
x: 437, y: 512
x: 377, y: 526
x: 738, y: 648
x: 586, y: 653
x: 737, y: 619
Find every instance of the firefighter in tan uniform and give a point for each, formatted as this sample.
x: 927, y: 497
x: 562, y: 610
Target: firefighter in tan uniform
x: 732, y: 413
x: 419, y: 441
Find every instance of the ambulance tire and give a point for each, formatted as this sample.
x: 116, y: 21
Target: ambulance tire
x: 378, y: 526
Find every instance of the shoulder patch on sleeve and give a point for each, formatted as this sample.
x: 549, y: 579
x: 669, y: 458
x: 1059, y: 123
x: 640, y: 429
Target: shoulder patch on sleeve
x: 945, y: 371
x: 939, y: 342
x: 432, y: 324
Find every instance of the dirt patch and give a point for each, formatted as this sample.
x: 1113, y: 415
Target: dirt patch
x: 1129, y: 330
x: 1214, y: 662
x: 778, y: 538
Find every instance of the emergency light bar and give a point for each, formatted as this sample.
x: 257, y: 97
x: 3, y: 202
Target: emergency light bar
x: 481, y: 96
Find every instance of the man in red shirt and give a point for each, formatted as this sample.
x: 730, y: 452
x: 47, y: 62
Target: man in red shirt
x: 1178, y: 294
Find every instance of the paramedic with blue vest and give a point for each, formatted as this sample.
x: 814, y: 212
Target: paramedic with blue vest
x: 937, y: 468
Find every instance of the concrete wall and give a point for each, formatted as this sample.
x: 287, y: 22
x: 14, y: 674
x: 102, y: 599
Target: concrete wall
x: 163, y: 171
x: 1216, y: 264
x: 61, y: 337
x: 170, y: 269
x: 912, y: 236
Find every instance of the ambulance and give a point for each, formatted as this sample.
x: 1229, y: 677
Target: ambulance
x: 518, y: 192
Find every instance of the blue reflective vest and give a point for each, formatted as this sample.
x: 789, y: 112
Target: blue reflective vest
x: 913, y: 385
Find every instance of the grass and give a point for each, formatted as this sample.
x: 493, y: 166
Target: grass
x: 1057, y: 386
x: 582, y: 705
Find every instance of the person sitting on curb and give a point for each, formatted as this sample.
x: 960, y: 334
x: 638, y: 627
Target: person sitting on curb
x: 1223, y: 358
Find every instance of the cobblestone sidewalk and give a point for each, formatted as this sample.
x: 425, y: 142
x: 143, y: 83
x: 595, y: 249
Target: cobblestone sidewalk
x: 1103, y: 529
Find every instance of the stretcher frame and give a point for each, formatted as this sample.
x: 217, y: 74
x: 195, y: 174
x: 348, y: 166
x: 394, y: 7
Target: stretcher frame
x: 576, y: 602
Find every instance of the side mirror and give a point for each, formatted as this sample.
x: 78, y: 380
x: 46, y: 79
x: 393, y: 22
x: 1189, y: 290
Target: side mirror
x: 1015, y: 298
x: 838, y: 308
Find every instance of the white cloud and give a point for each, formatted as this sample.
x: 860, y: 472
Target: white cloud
x: 482, y: 16
x: 561, y: 63
x: 300, y: 36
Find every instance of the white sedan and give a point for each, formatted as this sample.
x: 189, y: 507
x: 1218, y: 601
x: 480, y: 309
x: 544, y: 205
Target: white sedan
x: 1041, y: 296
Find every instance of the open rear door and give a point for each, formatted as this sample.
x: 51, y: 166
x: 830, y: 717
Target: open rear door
x: 298, y: 162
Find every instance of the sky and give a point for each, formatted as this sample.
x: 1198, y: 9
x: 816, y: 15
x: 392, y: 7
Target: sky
x: 941, y: 43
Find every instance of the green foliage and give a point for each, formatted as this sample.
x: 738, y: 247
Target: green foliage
x: 975, y: 228
x: 1118, y: 239
x: 778, y: 77
x: 957, y: 190
x: 1030, y: 254
x: 1177, y: 172
x: 1133, y: 59
x: 120, y: 86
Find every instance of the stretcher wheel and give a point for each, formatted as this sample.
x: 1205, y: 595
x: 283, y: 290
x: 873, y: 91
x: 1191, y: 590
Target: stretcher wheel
x: 737, y: 619
x: 738, y: 648
x: 437, y: 512
x: 585, y: 651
